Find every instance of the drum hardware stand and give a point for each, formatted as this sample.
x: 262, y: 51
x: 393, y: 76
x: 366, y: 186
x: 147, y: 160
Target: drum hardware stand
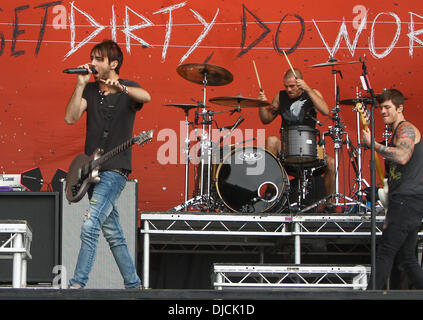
x: 303, y: 184
x: 335, y: 132
x: 205, y: 149
x: 204, y: 200
x: 187, y: 156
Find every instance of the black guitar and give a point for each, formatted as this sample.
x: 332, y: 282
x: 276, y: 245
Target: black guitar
x: 84, y: 169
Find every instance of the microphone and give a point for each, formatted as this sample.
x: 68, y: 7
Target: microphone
x: 80, y: 70
x: 308, y: 115
x: 234, y: 126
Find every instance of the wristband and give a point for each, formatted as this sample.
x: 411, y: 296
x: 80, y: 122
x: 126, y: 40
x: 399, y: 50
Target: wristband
x: 125, y: 89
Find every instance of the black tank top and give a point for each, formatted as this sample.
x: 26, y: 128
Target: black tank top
x: 406, y: 180
x: 299, y: 111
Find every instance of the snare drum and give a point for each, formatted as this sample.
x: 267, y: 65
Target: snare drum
x: 299, y: 144
x: 251, y: 179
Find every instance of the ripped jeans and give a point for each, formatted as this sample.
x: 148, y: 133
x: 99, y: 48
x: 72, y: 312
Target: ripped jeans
x: 103, y: 216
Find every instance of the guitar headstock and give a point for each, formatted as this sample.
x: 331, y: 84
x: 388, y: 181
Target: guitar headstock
x: 144, y: 137
x: 364, y: 113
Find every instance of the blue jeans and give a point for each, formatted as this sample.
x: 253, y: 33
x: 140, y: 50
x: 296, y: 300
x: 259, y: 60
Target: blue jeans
x: 399, y: 240
x: 103, y: 216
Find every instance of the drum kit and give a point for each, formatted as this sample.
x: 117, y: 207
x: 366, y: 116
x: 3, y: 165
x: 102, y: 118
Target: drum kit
x: 249, y: 179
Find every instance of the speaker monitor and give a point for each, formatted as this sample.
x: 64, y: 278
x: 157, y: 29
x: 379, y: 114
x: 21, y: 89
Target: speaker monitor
x: 105, y: 273
x: 56, y: 181
x: 41, y: 211
x: 32, y: 179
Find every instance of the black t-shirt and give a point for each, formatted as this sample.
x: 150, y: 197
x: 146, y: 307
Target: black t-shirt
x: 406, y: 180
x: 298, y: 111
x: 121, y: 109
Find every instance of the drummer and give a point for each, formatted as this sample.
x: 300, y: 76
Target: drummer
x: 297, y: 105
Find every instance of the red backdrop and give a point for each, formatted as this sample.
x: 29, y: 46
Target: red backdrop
x: 39, y: 39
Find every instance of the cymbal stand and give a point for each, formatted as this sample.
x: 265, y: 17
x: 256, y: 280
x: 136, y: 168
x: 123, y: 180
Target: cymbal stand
x: 186, y: 152
x: 336, y: 132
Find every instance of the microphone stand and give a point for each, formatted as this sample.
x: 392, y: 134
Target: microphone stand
x: 368, y: 88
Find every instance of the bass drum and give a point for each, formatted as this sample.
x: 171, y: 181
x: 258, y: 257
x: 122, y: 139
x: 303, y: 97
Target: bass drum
x: 251, y: 179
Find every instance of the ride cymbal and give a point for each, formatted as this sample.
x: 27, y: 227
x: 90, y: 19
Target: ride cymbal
x: 239, y: 101
x: 333, y: 63
x: 198, y: 72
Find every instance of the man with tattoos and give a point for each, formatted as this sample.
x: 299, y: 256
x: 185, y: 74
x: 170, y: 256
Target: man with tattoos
x: 404, y: 167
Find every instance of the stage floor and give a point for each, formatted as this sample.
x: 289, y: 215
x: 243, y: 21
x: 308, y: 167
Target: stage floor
x: 208, y: 295
x: 208, y: 304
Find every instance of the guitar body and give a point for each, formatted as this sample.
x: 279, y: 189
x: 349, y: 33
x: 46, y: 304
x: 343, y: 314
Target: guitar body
x: 83, y: 171
x: 383, y: 194
x: 78, y: 182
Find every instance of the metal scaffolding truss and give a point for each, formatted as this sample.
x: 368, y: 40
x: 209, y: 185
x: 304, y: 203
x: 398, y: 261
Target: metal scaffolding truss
x: 336, y: 225
x: 216, y: 224
x: 258, y: 225
x: 246, y: 233
x: 15, y: 244
x: 289, y: 276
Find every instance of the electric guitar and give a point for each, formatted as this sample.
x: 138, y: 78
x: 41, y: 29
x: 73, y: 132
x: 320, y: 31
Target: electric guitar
x: 84, y: 169
x: 383, y: 191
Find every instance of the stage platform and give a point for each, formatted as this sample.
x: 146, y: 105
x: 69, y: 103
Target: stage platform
x: 173, y: 234
x: 292, y: 237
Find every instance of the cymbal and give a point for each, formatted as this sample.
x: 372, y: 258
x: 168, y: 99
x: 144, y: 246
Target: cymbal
x: 239, y: 101
x: 194, y: 72
x: 333, y: 63
x: 365, y: 100
x: 353, y: 102
x: 184, y: 106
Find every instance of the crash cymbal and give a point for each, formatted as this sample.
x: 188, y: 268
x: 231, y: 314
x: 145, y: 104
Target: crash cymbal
x: 333, y: 63
x: 239, y: 101
x: 194, y: 72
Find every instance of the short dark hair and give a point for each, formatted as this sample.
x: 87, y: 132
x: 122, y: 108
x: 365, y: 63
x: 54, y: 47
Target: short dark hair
x: 394, y: 95
x: 289, y: 74
x: 111, y: 50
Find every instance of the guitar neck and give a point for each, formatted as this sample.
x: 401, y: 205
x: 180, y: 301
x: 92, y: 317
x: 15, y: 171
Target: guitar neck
x: 112, y: 153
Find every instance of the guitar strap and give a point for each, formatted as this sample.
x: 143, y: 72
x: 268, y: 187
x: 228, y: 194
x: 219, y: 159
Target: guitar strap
x: 108, y: 112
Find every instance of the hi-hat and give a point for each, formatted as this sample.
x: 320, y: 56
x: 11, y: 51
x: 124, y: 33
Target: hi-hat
x: 215, y: 75
x: 353, y: 102
x: 184, y: 106
x: 239, y: 101
x: 364, y: 100
x: 333, y: 62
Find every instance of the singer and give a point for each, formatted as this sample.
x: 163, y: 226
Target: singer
x: 111, y: 104
x: 297, y: 106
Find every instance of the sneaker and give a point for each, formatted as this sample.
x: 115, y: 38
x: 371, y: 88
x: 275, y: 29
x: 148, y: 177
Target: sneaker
x: 75, y: 286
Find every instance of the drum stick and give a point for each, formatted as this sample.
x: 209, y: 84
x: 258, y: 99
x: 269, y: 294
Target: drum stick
x: 290, y: 65
x: 258, y: 79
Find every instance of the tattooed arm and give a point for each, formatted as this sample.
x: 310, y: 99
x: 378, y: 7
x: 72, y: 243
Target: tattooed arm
x: 403, y: 148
